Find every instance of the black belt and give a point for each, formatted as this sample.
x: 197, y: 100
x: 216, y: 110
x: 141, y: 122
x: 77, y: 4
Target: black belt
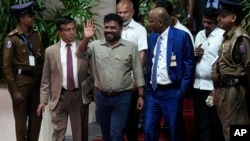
x: 112, y: 93
x: 29, y: 73
x: 160, y: 86
x: 63, y: 89
x: 226, y: 83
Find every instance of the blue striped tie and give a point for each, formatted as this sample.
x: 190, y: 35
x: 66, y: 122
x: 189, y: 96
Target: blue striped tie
x: 155, y: 65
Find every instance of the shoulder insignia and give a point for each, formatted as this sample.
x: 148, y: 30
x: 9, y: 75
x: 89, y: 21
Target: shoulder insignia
x: 242, y: 49
x: 13, y: 32
x: 8, y: 44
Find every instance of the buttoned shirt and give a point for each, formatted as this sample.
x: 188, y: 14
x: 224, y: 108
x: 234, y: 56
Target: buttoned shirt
x: 162, y: 72
x: 137, y: 34
x: 63, y: 54
x: 234, y: 55
x: 211, y: 46
x: 16, y: 56
x: 112, y: 66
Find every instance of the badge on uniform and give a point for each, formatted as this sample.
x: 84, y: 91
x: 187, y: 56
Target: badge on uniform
x: 9, y: 44
x: 242, y: 49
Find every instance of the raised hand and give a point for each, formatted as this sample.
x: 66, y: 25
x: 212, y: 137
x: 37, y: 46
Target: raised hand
x: 89, y: 29
x: 199, y: 50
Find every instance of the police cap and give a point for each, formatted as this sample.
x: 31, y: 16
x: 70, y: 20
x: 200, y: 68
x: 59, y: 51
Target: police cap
x: 231, y: 6
x: 25, y: 8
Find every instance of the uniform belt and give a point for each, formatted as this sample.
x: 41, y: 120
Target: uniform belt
x: 63, y: 89
x: 29, y: 73
x: 226, y: 83
x: 112, y: 93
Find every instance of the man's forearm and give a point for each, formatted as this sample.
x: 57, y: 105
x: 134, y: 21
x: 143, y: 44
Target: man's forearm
x: 141, y: 91
x: 83, y: 45
x: 143, y: 56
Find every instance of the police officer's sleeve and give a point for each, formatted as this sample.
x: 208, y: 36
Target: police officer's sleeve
x: 8, y: 56
x: 242, y: 48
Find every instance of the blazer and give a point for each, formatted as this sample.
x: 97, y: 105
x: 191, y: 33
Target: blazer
x: 179, y: 44
x: 51, y: 84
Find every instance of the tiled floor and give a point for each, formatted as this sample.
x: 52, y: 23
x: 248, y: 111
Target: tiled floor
x: 7, y: 130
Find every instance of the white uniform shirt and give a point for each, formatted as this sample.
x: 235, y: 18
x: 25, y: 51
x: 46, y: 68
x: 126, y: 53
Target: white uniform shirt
x: 211, y: 46
x: 63, y: 54
x: 137, y: 34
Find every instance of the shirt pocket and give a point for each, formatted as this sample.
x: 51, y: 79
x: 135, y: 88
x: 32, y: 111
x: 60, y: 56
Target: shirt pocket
x: 102, y: 61
x: 123, y: 62
x: 226, y: 50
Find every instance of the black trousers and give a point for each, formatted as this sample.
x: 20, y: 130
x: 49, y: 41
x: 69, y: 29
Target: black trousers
x: 208, y: 126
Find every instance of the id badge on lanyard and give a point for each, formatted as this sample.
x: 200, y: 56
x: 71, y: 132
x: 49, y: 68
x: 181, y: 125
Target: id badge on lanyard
x: 31, y: 56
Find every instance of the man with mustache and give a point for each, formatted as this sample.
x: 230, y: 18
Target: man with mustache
x: 231, y: 72
x: 112, y: 60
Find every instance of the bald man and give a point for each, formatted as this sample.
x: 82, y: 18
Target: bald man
x: 137, y: 34
x: 170, y: 70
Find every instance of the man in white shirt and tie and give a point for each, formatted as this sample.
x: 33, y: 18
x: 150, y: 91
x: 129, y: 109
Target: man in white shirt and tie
x: 61, y: 84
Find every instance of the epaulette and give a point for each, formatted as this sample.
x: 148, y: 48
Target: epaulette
x: 13, y: 32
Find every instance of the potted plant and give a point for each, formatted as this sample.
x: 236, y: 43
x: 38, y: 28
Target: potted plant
x: 79, y: 10
x: 246, y: 10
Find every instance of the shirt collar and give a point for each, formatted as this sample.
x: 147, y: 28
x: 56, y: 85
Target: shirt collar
x: 63, y: 44
x: 104, y: 42
x: 164, y: 34
x: 19, y: 31
x: 230, y: 33
x: 131, y: 24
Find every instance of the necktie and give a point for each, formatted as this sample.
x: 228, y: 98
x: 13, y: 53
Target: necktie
x: 70, y: 76
x: 157, y: 54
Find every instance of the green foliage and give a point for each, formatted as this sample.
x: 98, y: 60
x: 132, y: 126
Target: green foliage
x: 7, y: 23
x: 79, y: 10
x: 246, y: 22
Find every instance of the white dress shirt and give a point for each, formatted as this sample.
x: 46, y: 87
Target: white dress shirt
x: 63, y: 54
x: 137, y: 34
x: 211, y: 46
x: 162, y: 72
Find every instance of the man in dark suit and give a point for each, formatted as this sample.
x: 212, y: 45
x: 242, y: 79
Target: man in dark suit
x: 61, y: 84
x: 170, y: 70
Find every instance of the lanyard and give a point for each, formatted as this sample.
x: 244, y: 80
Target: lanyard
x: 29, y: 44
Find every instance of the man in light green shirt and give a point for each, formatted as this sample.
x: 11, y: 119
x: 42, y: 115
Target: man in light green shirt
x: 112, y: 60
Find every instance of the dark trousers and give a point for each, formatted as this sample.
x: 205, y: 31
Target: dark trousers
x: 133, y: 119
x: 27, y: 123
x: 167, y: 103
x: 113, y: 113
x: 208, y: 126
